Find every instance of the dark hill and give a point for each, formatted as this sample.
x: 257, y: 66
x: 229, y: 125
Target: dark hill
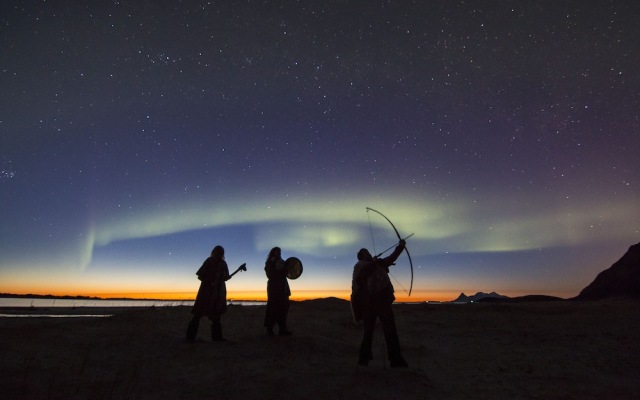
x: 622, y: 279
x: 480, y: 296
x: 535, y: 298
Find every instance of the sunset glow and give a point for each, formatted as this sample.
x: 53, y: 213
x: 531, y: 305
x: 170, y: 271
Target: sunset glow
x: 133, y: 139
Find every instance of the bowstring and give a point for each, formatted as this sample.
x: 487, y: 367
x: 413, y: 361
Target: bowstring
x: 398, y: 282
x: 375, y: 252
x: 373, y: 242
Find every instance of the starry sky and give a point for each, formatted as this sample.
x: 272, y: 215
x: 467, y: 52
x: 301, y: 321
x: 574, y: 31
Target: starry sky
x: 137, y: 135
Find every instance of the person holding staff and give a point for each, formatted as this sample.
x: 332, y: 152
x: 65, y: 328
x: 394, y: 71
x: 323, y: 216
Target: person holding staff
x: 211, y: 300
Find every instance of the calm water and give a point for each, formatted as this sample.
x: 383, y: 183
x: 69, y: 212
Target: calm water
x: 72, y: 303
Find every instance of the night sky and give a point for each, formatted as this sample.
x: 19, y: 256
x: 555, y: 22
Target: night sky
x: 137, y: 135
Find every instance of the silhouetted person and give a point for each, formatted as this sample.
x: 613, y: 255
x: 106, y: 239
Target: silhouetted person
x: 372, y: 286
x: 278, y: 293
x: 211, y: 300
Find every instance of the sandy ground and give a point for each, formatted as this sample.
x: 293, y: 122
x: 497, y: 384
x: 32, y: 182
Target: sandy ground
x: 482, y: 351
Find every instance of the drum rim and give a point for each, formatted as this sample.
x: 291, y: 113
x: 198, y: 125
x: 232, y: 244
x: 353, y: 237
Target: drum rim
x: 293, y: 261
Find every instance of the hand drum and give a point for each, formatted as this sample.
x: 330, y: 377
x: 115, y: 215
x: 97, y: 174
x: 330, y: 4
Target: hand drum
x: 294, y: 267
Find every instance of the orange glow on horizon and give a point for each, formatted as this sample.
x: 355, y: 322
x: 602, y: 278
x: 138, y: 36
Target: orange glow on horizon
x: 298, y: 295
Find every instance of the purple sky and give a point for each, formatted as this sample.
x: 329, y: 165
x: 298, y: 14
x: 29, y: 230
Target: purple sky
x: 135, y: 136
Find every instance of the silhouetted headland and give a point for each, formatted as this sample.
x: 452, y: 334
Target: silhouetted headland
x: 621, y: 280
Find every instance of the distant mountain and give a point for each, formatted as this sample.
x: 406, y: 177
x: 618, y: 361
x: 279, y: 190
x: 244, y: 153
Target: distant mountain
x: 622, y: 279
x: 463, y: 298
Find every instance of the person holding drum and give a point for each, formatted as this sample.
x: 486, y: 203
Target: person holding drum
x: 278, y: 293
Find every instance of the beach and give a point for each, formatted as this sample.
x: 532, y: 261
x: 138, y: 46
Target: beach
x: 545, y: 350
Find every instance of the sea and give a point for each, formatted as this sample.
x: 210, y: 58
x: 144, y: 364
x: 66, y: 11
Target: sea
x: 47, y: 305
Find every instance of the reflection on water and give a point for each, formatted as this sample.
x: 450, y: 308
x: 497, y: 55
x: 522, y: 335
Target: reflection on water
x: 54, y: 315
x: 73, y: 303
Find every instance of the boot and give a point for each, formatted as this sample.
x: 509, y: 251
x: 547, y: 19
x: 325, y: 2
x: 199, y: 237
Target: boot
x: 283, y: 331
x: 282, y: 328
x: 216, y: 332
x: 399, y: 363
x: 365, y: 355
x: 192, y: 329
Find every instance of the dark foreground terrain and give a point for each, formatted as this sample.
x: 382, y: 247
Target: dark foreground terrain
x: 555, y: 350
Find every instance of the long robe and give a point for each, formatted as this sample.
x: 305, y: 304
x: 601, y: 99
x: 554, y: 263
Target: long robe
x: 278, y: 293
x: 211, y: 300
